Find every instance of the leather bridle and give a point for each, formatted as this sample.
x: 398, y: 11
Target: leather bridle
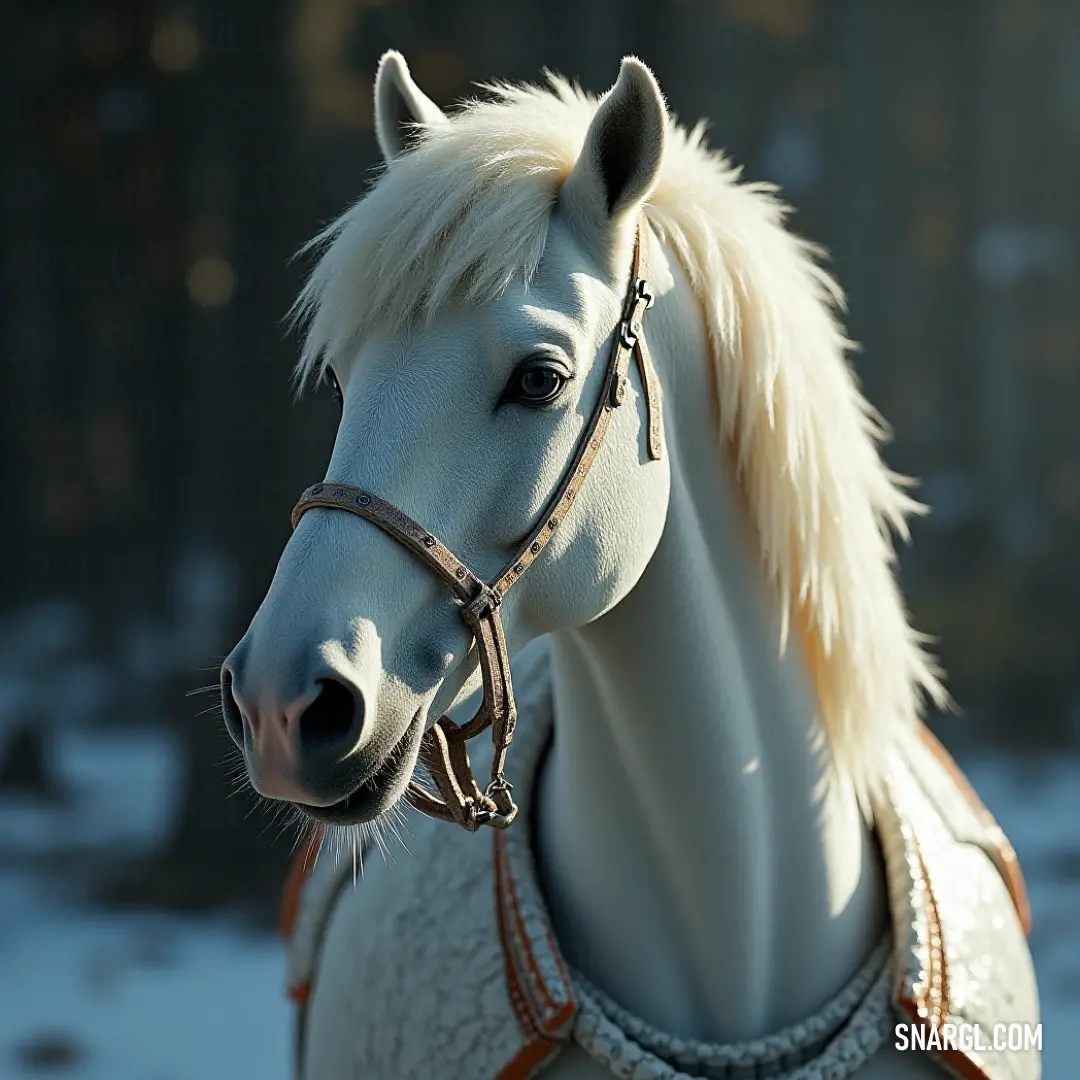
x: 443, y: 745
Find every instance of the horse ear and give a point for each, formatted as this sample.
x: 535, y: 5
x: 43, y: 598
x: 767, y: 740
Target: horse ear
x: 402, y: 109
x: 621, y: 157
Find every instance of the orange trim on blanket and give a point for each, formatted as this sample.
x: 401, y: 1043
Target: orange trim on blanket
x: 502, y: 870
x: 301, y: 866
x: 966, y: 1064
x: 513, y: 986
x: 558, y: 1016
x: 932, y: 1003
x: 1009, y: 864
x: 532, y: 1056
x: 930, y: 1010
x: 538, y: 1048
x: 300, y: 992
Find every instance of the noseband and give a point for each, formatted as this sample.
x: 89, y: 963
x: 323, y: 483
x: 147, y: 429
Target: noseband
x: 442, y: 748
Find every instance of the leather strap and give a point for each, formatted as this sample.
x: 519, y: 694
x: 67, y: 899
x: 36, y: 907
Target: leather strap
x: 443, y: 748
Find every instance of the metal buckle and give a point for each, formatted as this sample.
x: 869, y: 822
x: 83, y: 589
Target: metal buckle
x: 643, y: 292
x: 641, y: 297
x: 486, y: 600
x: 496, y: 818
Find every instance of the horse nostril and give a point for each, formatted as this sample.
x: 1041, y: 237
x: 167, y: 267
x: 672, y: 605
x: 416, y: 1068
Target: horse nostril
x: 330, y: 726
x: 234, y: 720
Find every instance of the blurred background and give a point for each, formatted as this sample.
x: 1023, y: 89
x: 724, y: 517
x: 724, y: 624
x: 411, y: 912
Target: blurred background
x: 162, y: 161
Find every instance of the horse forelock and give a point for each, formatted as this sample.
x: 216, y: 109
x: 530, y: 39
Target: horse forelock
x: 465, y: 213
x: 455, y: 220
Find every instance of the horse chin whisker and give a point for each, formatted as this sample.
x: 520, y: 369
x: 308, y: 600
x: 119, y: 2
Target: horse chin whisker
x: 396, y: 821
x: 306, y: 828
x: 280, y: 816
x: 383, y: 832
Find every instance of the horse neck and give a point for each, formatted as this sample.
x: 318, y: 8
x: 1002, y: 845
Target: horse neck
x: 702, y: 861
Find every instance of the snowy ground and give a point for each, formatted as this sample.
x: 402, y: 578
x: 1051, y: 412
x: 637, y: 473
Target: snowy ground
x: 107, y: 997
x: 95, y: 995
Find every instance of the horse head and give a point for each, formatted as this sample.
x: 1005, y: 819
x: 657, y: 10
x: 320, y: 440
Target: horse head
x: 464, y: 317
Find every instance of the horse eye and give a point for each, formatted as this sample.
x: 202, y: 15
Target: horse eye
x: 536, y: 384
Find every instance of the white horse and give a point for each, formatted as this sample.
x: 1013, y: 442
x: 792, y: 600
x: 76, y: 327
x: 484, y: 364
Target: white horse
x: 738, y: 854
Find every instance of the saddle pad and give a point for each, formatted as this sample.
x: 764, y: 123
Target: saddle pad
x: 959, y: 909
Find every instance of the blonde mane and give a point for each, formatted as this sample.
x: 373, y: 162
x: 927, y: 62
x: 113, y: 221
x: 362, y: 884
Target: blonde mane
x: 466, y: 212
